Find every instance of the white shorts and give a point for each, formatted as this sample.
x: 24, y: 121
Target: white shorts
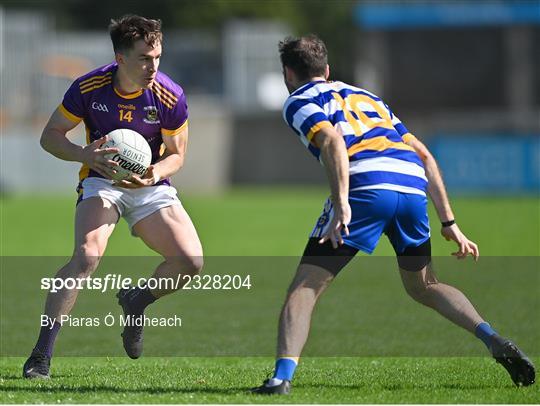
x: 132, y: 204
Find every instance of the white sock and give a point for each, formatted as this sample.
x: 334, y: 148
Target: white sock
x: 274, y: 382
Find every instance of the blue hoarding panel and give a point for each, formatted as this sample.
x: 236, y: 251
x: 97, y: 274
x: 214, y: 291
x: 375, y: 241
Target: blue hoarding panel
x: 480, y: 164
x: 403, y: 15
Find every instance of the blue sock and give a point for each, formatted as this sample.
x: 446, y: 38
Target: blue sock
x: 285, y: 368
x: 484, y: 332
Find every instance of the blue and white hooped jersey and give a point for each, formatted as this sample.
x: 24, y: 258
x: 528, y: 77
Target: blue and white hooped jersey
x: 379, y: 157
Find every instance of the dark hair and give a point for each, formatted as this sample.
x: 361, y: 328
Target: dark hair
x: 306, y: 56
x: 130, y: 28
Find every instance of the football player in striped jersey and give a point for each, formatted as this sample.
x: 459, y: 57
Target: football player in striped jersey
x: 379, y: 176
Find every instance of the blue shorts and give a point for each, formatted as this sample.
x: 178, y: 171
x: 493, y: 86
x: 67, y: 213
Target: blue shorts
x: 401, y: 216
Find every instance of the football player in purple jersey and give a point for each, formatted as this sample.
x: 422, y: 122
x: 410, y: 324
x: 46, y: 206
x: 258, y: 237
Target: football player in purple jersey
x: 129, y: 93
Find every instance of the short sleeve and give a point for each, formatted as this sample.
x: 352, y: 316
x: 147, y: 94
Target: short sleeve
x: 175, y: 120
x: 305, y: 117
x: 72, y: 106
x: 403, y: 132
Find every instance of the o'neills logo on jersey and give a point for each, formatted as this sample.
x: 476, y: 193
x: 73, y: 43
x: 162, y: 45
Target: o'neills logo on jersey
x: 134, y: 167
x: 151, y: 115
x: 100, y: 107
x: 127, y: 106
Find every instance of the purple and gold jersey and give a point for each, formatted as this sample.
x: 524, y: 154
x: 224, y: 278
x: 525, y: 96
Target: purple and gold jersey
x: 156, y: 112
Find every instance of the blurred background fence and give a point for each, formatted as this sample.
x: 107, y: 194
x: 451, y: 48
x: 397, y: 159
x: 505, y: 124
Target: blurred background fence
x: 464, y: 76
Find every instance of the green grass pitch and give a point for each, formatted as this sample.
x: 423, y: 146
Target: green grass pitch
x: 320, y: 380
x: 425, y: 361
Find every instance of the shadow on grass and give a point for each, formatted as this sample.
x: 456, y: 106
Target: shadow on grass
x: 49, y: 386
x: 114, y: 389
x: 400, y: 387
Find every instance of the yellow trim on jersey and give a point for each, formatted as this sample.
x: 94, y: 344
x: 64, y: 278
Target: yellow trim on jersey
x: 172, y: 133
x: 97, y: 86
x: 94, y: 78
x: 166, y: 92
x: 378, y: 144
x: 95, y: 82
x: 408, y: 137
x: 163, y: 97
x: 317, y: 127
x: 68, y: 115
x: 130, y: 95
x: 84, y: 172
x: 164, y: 101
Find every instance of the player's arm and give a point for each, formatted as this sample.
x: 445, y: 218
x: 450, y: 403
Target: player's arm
x: 54, y: 140
x: 438, y: 195
x: 173, y: 157
x: 170, y: 163
x: 336, y: 163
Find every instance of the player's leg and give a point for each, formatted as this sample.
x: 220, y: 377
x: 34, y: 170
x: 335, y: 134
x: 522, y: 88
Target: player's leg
x: 410, y: 236
x: 423, y: 286
x: 95, y: 219
x: 295, y: 318
x: 371, y: 210
x: 170, y: 232
x: 411, y: 230
x: 318, y: 267
x: 308, y: 284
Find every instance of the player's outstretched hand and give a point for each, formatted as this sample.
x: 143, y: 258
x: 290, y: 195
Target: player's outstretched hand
x: 338, y: 225
x: 135, y: 181
x: 465, y: 246
x: 94, y: 157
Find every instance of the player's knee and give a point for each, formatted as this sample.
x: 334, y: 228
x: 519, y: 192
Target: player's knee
x: 299, y: 295
x: 85, y: 260
x: 195, y: 265
x: 419, y: 290
x: 308, y: 285
x: 416, y: 292
x: 191, y: 265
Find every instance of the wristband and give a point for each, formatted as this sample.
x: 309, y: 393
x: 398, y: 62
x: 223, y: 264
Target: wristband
x: 156, y: 178
x: 448, y: 223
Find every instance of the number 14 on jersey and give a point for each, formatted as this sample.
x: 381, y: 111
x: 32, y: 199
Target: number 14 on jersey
x: 125, y: 115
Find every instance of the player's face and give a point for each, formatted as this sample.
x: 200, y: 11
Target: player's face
x: 140, y: 64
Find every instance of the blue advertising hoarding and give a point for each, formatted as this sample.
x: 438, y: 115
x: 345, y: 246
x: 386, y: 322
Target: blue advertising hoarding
x: 393, y: 15
x: 489, y: 164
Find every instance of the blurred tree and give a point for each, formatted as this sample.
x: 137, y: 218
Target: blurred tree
x: 330, y: 19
